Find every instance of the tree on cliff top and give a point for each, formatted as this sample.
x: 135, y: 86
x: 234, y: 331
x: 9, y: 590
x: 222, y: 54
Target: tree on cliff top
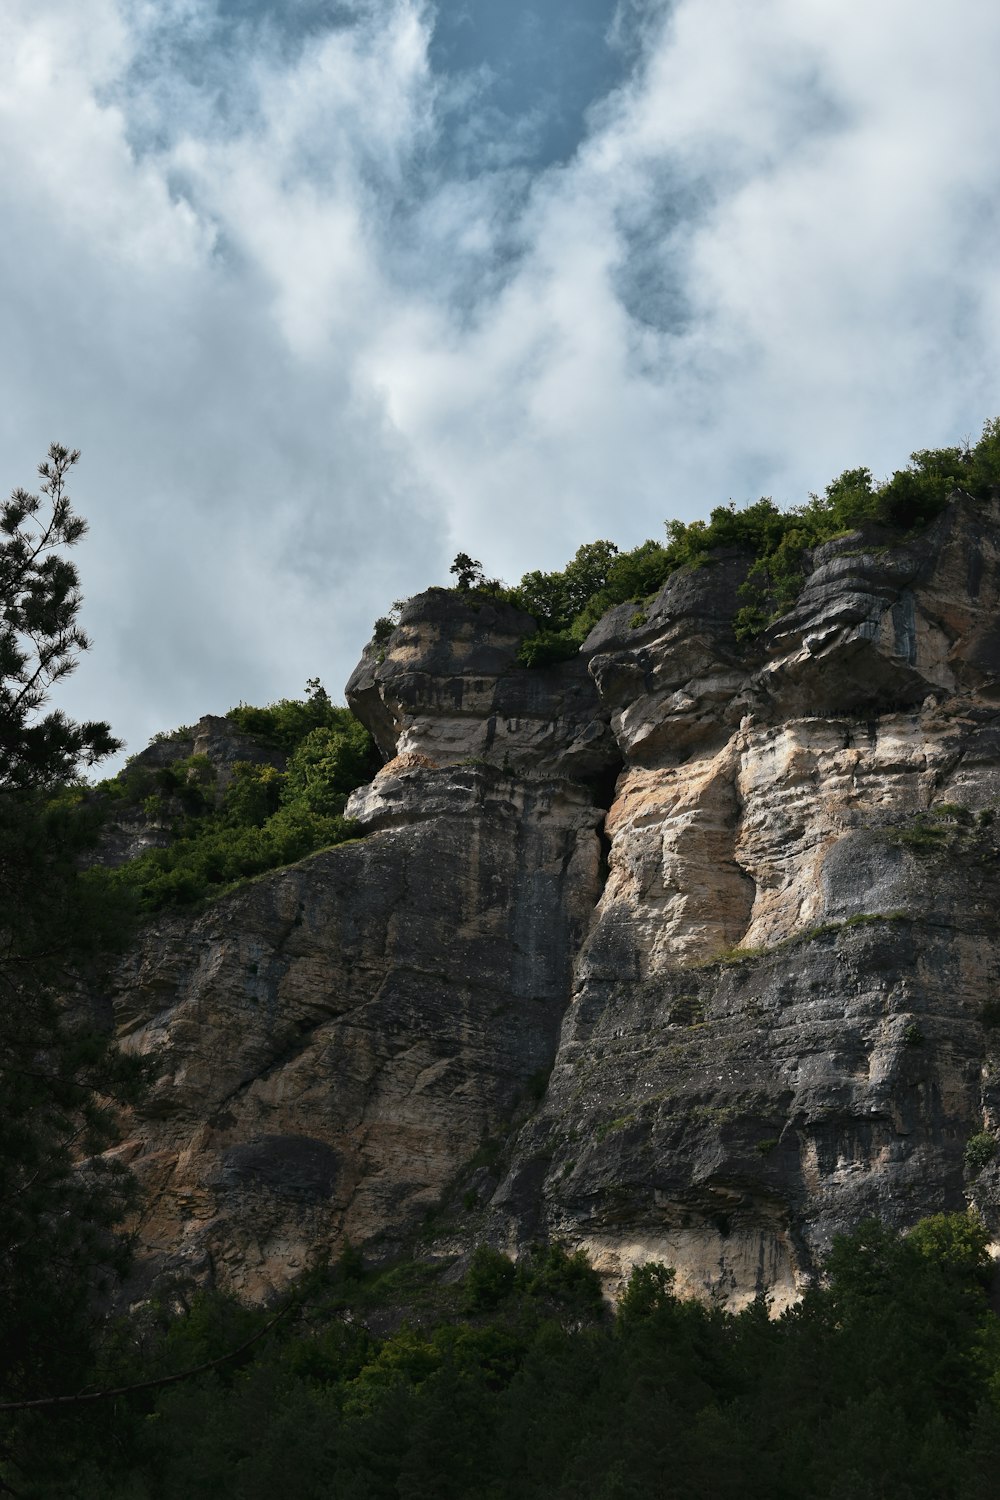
x: 468, y: 570
x: 58, y: 1073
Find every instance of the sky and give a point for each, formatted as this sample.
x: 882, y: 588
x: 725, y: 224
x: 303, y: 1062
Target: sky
x: 327, y: 291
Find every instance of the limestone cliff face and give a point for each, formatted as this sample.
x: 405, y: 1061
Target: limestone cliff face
x: 334, y: 1041
x: 762, y: 965
x: 729, y: 1112
x: 448, y: 687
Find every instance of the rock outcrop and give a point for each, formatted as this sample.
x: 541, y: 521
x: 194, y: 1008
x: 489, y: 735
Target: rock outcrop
x: 129, y: 828
x: 740, y: 897
x: 777, y: 1026
x: 334, y: 1042
x: 448, y: 687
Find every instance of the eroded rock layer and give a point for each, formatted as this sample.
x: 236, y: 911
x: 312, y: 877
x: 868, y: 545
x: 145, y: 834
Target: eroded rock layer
x: 827, y: 814
x: 769, y: 1013
x: 334, y: 1041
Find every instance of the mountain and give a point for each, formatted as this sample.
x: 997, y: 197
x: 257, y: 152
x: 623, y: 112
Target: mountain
x: 683, y: 949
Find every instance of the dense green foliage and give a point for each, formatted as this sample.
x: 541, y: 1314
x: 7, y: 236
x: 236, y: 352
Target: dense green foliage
x: 568, y: 604
x: 59, y: 1078
x: 518, y: 1385
x: 59, y: 1075
x: 266, y: 817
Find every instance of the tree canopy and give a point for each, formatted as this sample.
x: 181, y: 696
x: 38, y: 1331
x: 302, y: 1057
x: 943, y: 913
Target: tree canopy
x: 269, y: 814
x: 40, y: 638
x: 517, y: 1382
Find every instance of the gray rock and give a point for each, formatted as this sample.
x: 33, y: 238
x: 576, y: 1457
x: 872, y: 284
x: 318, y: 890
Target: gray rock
x: 335, y: 1040
x: 763, y: 980
x: 447, y: 685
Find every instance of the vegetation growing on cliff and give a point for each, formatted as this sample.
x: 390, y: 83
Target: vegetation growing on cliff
x: 517, y: 1383
x: 265, y: 818
x: 567, y: 604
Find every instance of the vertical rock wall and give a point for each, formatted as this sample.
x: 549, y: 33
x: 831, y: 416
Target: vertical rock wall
x: 781, y: 1021
x: 335, y: 1041
x: 741, y: 897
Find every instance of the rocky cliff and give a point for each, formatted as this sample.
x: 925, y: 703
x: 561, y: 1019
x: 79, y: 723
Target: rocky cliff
x: 736, y: 902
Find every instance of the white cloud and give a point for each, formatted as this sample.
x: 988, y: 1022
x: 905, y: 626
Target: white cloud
x: 315, y: 332
x: 199, y: 345
x: 813, y: 180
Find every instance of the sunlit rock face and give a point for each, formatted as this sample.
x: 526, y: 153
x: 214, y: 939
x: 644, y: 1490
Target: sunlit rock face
x: 740, y: 896
x: 729, y: 1112
x: 730, y: 1118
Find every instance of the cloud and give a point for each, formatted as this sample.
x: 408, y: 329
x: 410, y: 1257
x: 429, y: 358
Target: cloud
x: 770, y: 259
x: 191, y: 317
x: 320, y: 314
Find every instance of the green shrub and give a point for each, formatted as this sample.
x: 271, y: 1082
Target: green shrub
x: 980, y: 1150
x: 214, y: 854
x: 922, y: 834
x: 267, y: 817
x: 550, y: 1274
x: 649, y: 1290
x: 959, y: 1242
x: 489, y: 1280
x: 947, y: 828
x: 568, y: 604
x: 556, y: 599
x: 952, y: 812
x: 285, y: 724
x: 327, y: 765
x: 254, y: 795
x: 546, y: 647
x: 881, y: 1381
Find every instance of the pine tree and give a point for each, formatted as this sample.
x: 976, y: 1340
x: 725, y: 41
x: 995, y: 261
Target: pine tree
x: 61, y: 1203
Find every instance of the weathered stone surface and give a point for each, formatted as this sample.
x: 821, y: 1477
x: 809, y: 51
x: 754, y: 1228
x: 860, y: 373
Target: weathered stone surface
x: 335, y: 1040
x: 447, y: 685
x: 875, y: 627
x: 677, y: 680
x: 217, y: 738
x: 731, y: 1118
